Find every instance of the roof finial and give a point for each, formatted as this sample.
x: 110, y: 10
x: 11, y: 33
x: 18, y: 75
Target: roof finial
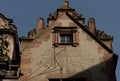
x: 65, y: 5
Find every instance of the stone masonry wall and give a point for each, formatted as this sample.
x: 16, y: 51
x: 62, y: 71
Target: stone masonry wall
x: 44, y: 61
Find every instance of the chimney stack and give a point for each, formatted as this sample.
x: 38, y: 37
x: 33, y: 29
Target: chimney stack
x: 91, y: 25
x: 40, y: 25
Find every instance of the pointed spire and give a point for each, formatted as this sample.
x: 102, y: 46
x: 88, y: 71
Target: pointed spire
x: 65, y: 5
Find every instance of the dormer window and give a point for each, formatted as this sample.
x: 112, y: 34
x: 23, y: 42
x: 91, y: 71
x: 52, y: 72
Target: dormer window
x: 65, y: 36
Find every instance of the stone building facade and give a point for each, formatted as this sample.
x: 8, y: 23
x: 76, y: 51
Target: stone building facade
x: 9, y: 50
x: 67, y: 50
x: 64, y: 50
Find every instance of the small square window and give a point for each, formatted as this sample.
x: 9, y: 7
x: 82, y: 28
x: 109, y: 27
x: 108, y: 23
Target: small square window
x: 66, y: 38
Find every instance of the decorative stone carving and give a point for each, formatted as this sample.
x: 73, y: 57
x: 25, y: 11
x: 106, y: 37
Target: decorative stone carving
x: 4, y: 48
x: 53, y: 15
x: 65, y: 7
x: 2, y: 73
x: 9, y: 49
x: 103, y: 35
x: 6, y: 23
x: 32, y: 33
x: 77, y: 15
x: 13, y: 27
x: 3, y: 23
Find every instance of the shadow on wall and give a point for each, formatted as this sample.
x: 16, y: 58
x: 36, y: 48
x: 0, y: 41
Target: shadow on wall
x: 104, y: 71
x: 95, y: 73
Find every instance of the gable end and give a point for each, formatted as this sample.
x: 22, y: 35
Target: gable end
x: 89, y: 33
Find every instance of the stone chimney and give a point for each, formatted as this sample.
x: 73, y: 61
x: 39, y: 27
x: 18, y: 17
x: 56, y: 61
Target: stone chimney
x: 91, y: 25
x: 40, y: 25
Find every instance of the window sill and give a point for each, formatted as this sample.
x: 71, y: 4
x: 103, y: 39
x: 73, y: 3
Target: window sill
x: 73, y: 44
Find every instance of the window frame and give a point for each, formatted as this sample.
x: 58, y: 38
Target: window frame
x: 58, y: 31
x: 66, y: 38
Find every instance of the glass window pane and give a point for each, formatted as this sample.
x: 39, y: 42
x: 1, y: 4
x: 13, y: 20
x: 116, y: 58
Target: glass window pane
x: 66, y: 38
x: 62, y: 39
x: 69, y: 38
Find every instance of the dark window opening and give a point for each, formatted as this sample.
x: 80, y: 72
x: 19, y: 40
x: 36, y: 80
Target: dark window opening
x: 54, y: 79
x: 66, y: 38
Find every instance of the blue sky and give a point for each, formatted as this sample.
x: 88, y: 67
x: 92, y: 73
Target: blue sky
x: 26, y: 12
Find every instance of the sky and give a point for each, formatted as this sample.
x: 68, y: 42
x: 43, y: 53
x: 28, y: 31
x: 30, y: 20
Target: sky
x: 25, y: 14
